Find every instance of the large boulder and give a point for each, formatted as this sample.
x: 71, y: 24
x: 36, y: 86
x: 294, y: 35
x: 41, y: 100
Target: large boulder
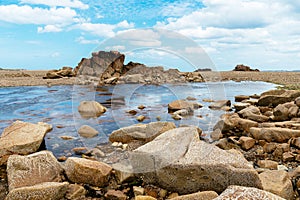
x: 253, y: 113
x: 274, y: 134
x: 43, y: 191
x: 33, y: 169
x: 91, y: 109
x: 244, y: 68
x: 238, y: 192
x: 276, y: 97
x: 80, y: 170
x: 22, y: 138
x: 281, y: 113
x: 141, y: 132
x: 178, y: 161
x: 277, y: 182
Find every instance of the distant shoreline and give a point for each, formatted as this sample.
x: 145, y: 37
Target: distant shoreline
x: 13, y: 78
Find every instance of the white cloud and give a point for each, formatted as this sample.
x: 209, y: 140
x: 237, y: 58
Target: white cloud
x: 28, y: 15
x: 103, y: 30
x: 55, y: 54
x: 82, y: 40
x: 49, y: 28
x: 54, y: 3
x: 141, y: 37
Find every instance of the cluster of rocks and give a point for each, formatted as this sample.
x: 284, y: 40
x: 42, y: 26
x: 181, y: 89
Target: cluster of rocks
x: 244, y: 68
x: 266, y: 129
x: 109, y: 68
x: 60, y: 73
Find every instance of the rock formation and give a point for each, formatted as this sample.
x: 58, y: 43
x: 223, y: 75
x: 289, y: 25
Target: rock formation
x: 244, y: 68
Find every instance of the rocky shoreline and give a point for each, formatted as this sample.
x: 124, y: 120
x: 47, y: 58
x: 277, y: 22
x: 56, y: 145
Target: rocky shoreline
x: 253, y: 152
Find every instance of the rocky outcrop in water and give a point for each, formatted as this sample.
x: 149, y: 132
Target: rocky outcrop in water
x: 244, y: 68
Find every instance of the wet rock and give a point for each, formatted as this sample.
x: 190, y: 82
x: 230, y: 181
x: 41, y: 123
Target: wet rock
x: 87, y: 131
x: 189, y: 98
x: 22, y: 138
x: 219, y: 104
x: 178, y: 161
x: 183, y: 112
x: 182, y: 104
x: 132, y: 112
x: 75, y: 191
x: 80, y: 170
x: 276, y: 97
x: 33, y: 169
x: 115, y: 195
x: 206, y: 195
x: 140, y: 118
x: 267, y: 164
x: 43, y: 191
x: 240, y: 98
x: 237, y: 192
x: 246, y: 142
x: 274, y: 134
x: 143, y: 132
x: 141, y: 107
x: 79, y: 150
x: 277, y: 182
x: 91, y: 109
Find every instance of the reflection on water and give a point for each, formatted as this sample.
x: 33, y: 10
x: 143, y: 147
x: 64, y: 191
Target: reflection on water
x: 58, y: 106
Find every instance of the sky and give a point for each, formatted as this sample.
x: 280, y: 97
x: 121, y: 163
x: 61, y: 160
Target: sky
x: 49, y: 34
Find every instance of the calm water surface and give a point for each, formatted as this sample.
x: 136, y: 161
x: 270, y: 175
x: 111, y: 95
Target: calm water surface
x: 57, y: 105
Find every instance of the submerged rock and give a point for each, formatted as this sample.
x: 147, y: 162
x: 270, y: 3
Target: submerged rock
x: 87, y: 131
x: 178, y: 161
x: 91, y: 109
x: 22, y: 138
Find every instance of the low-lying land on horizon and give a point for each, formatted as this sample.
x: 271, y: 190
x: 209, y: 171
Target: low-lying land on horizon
x: 35, y: 77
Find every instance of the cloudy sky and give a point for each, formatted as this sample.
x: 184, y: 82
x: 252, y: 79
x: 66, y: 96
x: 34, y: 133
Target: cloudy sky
x: 48, y: 34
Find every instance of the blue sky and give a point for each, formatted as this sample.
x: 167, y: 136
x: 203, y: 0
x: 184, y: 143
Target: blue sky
x: 49, y: 34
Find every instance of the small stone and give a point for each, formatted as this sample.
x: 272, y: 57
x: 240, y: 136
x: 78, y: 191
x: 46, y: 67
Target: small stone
x: 158, y: 118
x: 124, y: 146
x: 176, y: 117
x: 163, y: 193
x: 141, y: 118
x: 67, y: 137
x: 246, y: 142
x: 297, y: 101
x: 189, y: 98
x: 115, y: 195
x: 96, y: 153
x: 138, y: 190
x: 79, y: 150
x: 91, y: 109
x: 62, y: 158
x: 269, y: 147
x: 287, y: 157
x: 207, y: 100
x: 87, y: 131
x: 205, y: 195
x: 282, y: 168
x: 141, y: 107
x: 173, y: 195
x: 132, y: 112
x: 297, y: 158
x: 144, y: 198
x: 75, y: 191
x: 267, y: 164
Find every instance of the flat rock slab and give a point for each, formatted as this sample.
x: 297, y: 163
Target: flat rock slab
x: 274, y: 134
x: 178, y: 161
x: 80, y: 170
x: 43, y: 191
x: 276, y: 97
x: 142, y: 132
x: 22, y: 138
x: 33, y: 169
x: 238, y: 192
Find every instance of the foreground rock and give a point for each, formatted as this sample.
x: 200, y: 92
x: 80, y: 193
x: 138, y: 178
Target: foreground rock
x: 178, y: 161
x: 206, y: 195
x: 277, y: 182
x: 274, y: 134
x: 238, y: 192
x: 22, y: 138
x: 33, y: 169
x: 43, y: 191
x: 91, y: 109
x: 80, y: 170
x: 141, y: 132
